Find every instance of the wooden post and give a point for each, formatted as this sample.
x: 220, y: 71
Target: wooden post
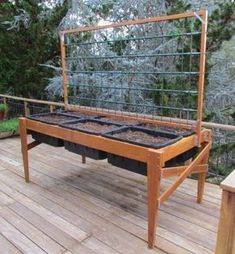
x: 226, y: 231
x: 5, y: 102
x: 24, y: 147
x: 83, y: 159
x: 51, y: 108
x: 202, y: 178
x: 154, y: 181
x: 26, y: 109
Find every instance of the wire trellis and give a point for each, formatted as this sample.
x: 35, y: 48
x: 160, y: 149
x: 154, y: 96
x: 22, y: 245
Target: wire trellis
x: 150, y: 69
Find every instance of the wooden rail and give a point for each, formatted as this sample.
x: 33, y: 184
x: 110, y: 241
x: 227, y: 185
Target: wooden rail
x: 226, y: 231
x: 52, y: 104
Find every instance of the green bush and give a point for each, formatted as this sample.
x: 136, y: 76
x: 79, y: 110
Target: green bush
x: 3, y: 107
x: 10, y: 125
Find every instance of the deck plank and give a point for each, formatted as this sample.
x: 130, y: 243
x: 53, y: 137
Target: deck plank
x: 72, y: 208
x: 8, y: 247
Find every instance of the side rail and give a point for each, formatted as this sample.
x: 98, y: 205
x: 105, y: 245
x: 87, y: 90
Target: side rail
x: 226, y: 231
x: 19, y: 106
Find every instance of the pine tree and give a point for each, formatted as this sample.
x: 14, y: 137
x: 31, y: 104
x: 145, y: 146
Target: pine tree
x: 28, y: 38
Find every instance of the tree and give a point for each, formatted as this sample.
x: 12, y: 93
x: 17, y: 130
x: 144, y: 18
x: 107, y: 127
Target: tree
x: 28, y: 38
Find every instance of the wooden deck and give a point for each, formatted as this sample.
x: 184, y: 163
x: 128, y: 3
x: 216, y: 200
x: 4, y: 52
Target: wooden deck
x: 65, y: 210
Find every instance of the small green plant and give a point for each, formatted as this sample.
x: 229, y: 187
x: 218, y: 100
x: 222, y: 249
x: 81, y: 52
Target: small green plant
x: 3, y: 107
x: 10, y: 125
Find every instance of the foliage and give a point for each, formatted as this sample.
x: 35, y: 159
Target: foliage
x: 10, y: 125
x: 3, y: 107
x: 28, y: 38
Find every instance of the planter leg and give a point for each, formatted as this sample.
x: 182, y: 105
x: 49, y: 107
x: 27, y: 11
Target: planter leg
x: 202, y: 180
x: 24, y: 147
x: 154, y: 181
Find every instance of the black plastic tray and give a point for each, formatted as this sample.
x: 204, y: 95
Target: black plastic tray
x: 128, y: 164
x: 182, y: 157
x: 172, y: 137
x: 85, y: 151
x: 69, y: 123
x: 47, y: 139
x: 184, y: 132
x: 70, y: 117
x: 141, y: 167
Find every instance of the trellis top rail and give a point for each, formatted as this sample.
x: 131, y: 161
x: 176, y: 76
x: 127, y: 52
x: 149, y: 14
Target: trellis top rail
x: 136, y: 22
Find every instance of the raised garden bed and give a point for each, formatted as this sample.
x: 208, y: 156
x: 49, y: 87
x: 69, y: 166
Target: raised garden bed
x: 143, y: 137
x: 138, y: 136
x: 179, y: 131
x: 53, y: 118
x: 91, y: 126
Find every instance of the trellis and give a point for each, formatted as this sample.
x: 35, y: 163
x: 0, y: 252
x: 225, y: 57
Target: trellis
x: 149, y: 68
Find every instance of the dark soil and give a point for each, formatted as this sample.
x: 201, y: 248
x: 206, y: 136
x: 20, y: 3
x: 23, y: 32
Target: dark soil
x: 141, y: 137
x: 179, y: 131
x: 123, y: 122
x: 82, y: 114
x: 94, y: 127
x: 55, y: 118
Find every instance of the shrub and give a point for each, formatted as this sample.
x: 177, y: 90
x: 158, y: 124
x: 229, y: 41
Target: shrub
x: 10, y: 125
x: 3, y: 107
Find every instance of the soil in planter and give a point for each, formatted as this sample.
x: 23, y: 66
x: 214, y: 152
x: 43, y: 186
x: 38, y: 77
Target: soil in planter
x: 54, y: 118
x: 123, y: 122
x: 83, y: 115
x: 141, y: 137
x: 179, y: 131
x: 93, y: 126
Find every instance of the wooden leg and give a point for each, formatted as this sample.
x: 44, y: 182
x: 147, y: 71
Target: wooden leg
x: 226, y: 231
x: 154, y: 181
x: 24, y: 147
x: 83, y: 159
x: 202, y: 180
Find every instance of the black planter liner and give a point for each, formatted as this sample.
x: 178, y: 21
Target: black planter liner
x: 184, y: 133
x: 141, y: 167
x: 129, y: 164
x: 173, y: 137
x: 67, y: 125
x: 182, y: 157
x: 47, y: 139
x: 84, y: 150
x: 70, y: 118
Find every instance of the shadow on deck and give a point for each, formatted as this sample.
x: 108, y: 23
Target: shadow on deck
x: 70, y: 207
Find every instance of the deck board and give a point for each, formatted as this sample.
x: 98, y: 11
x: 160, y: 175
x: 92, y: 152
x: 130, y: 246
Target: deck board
x: 70, y: 207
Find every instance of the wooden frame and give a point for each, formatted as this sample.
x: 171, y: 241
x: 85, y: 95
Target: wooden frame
x: 154, y: 158
x: 201, y: 15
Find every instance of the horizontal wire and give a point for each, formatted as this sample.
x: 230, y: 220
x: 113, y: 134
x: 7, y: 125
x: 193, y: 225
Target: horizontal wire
x: 134, y: 38
x: 137, y: 105
x: 133, y: 56
x: 135, y: 88
x: 133, y: 73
